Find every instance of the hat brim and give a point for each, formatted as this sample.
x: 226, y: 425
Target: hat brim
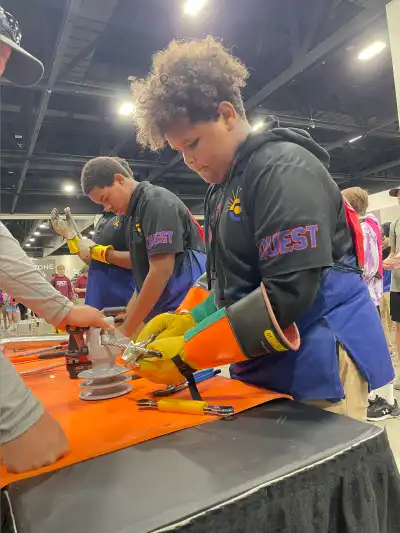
x: 22, y: 68
x: 394, y: 191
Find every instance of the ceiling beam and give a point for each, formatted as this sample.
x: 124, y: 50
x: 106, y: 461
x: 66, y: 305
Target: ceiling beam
x: 33, y: 228
x: 52, y: 161
x: 62, y: 43
x: 391, y: 179
x: 373, y: 10
x: 284, y: 119
x: 50, y: 193
x: 365, y: 133
x: 320, y: 7
x: 157, y: 173
x: 34, y: 216
x: 289, y: 120
x: 294, y: 29
x: 79, y: 89
x: 83, y: 54
x: 379, y: 168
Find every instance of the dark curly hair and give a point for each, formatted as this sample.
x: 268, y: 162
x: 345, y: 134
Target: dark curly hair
x: 187, y: 82
x: 100, y: 172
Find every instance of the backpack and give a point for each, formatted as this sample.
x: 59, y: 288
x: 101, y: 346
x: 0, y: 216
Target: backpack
x: 356, y: 233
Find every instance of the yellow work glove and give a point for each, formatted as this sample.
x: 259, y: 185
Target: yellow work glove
x: 167, y: 325
x: 88, y: 249
x: 162, y: 369
x: 176, y: 324
x: 66, y: 228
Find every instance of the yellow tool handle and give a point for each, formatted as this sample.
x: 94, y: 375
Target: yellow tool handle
x: 190, y: 407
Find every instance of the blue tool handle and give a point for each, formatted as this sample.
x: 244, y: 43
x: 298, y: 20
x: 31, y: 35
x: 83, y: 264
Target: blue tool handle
x: 206, y: 374
x: 202, y: 372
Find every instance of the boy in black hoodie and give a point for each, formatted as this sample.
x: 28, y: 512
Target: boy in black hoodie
x: 279, y: 250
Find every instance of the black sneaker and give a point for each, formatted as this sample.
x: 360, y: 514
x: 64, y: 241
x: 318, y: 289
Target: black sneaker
x: 379, y: 409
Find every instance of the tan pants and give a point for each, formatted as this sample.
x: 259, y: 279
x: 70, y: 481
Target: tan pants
x: 388, y: 324
x: 355, y: 388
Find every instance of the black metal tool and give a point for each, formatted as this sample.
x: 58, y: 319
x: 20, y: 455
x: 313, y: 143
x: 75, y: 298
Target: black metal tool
x: 77, y: 357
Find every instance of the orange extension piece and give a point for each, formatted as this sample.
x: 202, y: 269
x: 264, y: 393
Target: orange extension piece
x: 97, y: 428
x: 194, y: 297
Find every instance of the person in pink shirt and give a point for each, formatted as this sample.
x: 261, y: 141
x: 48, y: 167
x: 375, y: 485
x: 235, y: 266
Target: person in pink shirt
x: 62, y: 283
x: 81, y: 282
x: 382, y: 403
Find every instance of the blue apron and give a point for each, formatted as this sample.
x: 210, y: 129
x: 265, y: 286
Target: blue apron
x: 186, y: 273
x: 342, y: 311
x: 108, y: 285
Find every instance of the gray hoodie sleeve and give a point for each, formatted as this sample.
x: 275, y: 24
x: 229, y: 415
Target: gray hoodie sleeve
x: 24, y: 282
x: 19, y: 409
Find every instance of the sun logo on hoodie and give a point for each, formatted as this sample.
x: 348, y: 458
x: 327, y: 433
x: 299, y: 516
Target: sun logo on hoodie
x: 234, y: 206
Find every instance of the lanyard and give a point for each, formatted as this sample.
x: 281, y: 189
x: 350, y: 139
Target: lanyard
x: 211, y: 248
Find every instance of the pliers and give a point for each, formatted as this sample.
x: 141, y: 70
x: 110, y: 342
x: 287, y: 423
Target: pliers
x: 200, y: 376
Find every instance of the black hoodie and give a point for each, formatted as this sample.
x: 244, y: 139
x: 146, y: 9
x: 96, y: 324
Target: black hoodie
x: 278, y: 218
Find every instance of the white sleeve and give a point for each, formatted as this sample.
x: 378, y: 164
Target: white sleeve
x: 23, y: 281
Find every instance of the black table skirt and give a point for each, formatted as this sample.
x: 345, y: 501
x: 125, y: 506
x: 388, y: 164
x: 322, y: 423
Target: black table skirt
x: 279, y: 468
x: 356, y: 492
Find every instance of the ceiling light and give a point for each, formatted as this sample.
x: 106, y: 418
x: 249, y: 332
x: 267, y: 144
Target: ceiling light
x: 371, y: 51
x: 126, y: 109
x: 37, y: 233
x: 69, y: 188
x: 27, y: 245
x: 91, y: 232
x: 354, y: 139
x: 32, y: 240
x: 43, y: 226
x: 17, y: 136
x: 258, y: 125
x: 193, y: 7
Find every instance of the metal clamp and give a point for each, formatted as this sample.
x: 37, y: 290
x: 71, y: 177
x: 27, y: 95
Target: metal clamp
x: 138, y: 350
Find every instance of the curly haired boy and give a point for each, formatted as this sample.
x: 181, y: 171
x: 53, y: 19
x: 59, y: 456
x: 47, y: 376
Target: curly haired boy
x: 279, y: 250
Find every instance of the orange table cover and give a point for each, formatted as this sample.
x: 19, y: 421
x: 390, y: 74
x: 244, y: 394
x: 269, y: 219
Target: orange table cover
x: 95, y: 428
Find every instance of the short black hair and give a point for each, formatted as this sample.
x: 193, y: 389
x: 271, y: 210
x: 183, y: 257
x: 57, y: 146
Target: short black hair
x: 100, y: 172
x: 125, y: 164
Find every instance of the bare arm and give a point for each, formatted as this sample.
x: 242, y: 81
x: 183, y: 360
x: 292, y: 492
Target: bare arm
x: 78, y: 289
x: 385, y: 243
x: 121, y: 259
x: 161, y: 269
